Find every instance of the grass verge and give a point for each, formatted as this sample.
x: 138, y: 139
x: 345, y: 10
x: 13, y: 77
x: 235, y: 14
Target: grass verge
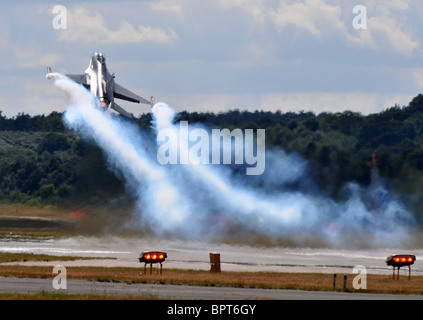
x: 23, y: 257
x: 267, y: 280
x: 63, y: 296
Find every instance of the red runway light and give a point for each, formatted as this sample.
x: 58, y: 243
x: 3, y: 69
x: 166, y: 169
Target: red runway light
x: 400, y: 260
x: 152, y: 257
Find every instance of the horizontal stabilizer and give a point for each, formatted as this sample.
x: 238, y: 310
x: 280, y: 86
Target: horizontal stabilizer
x: 125, y: 94
x: 122, y: 111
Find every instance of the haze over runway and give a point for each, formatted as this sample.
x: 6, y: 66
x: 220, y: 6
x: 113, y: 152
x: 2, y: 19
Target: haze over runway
x: 183, y: 254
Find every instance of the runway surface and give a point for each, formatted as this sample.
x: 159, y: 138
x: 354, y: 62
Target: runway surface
x: 195, y: 255
x: 21, y: 285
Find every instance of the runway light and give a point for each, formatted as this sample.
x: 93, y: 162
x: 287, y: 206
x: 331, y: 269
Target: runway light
x: 400, y: 260
x: 152, y: 257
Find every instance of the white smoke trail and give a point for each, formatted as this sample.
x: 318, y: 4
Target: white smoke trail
x: 285, y: 212
x: 246, y: 206
x: 193, y: 200
x: 125, y: 152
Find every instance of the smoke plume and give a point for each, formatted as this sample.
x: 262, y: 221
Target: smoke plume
x: 196, y: 200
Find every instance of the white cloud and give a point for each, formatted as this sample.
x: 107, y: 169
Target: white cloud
x: 92, y: 28
x: 388, y: 6
x: 247, y: 54
x: 169, y: 7
x: 256, y: 9
x: 386, y: 26
x: 390, y: 29
x: 321, y: 19
x: 386, y: 22
x: 313, y: 16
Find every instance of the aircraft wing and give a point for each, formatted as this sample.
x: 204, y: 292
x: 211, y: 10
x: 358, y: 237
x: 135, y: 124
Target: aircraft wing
x: 122, y: 111
x: 78, y: 78
x: 125, y: 94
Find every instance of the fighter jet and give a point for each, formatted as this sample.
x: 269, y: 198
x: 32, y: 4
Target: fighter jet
x: 101, y: 83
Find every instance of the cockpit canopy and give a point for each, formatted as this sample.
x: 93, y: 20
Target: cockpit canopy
x: 100, y: 57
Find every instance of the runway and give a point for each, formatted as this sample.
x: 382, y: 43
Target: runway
x: 184, y: 254
x: 182, y: 292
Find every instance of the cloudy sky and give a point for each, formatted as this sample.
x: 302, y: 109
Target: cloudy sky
x: 214, y: 55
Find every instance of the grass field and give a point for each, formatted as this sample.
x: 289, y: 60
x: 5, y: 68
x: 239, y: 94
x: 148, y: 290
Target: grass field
x: 33, y: 221
x: 64, y: 296
x: 266, y: 280
x: 23, y: 257
x: 33, y: 210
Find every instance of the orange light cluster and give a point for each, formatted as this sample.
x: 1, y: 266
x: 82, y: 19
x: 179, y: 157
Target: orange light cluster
x: 403, y: 259
x: 154, y: 256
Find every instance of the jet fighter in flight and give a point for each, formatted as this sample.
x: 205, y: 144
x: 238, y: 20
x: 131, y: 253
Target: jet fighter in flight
x: 101, y: 83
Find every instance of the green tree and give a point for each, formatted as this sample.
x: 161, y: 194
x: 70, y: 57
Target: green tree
x: 53, y: 142
x: 47, y: 191
x: 312, y: 124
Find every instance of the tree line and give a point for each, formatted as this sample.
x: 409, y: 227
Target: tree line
x: 40, y: 160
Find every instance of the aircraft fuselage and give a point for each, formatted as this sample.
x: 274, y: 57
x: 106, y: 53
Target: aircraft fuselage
x: 101, y: 82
